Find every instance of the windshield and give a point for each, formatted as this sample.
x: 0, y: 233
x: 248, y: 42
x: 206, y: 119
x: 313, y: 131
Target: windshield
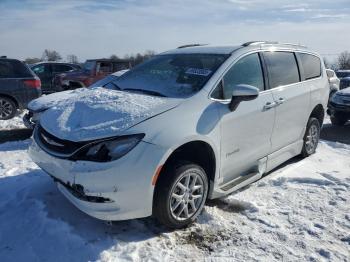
x: 343, y: 74
x: 106, y: 82
x: 88, y: 66
x: 174, y: 75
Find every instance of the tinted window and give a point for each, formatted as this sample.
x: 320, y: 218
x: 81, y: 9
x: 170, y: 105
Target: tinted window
x: 172, y: 75
x: 246, y: 71
x: 282, y: 68
x: 61, y: 68
x: 104, y: 67
x: 311, y: 65
x: 13, y: 69
x: 120, y: 66
x: 41, y: 69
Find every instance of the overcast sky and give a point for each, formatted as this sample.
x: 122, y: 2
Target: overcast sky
x: 99, y: 28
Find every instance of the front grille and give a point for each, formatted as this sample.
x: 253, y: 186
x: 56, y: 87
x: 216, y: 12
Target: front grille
x: 55, y: 145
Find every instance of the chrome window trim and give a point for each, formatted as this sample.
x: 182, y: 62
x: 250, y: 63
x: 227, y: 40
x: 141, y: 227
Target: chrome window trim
x: 265, y: 50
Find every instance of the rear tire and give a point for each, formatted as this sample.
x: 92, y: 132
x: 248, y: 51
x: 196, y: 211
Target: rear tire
x: 311, y: 137
x: 180, y: 194
x: 338, y: 121
x: 8, y: 108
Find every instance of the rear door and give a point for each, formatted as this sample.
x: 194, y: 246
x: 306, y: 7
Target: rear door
x: 58, y: 69
x: 44, y: 72
x: 291, y: 97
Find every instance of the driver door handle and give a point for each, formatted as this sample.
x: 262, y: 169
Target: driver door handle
x: 280, y: 101
x: 269, y: 105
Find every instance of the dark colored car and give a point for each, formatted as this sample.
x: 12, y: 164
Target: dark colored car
x: 92, y: 71
x: 344, y: 77
x: 46, y: 71
x: 339, y: 107
x: 18, y: 86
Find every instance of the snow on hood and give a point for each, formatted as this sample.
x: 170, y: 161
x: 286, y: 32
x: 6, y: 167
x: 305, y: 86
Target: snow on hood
x: 100, y: 113
x: 345, y: 91
x: 46, y: 101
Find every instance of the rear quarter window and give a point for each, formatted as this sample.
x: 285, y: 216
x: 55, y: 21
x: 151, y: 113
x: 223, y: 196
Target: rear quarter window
x: 311, y: 65
x: 13, y: 69
x: 282, y: 68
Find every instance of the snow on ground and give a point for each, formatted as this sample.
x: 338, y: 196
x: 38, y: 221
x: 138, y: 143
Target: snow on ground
x: 13, y: 123
x: 300, y: 212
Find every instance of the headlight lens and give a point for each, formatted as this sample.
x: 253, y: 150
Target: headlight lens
x: 108, y: 150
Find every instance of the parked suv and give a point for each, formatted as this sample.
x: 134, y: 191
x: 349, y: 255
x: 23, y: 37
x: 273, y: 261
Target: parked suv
x: 339, y: 107
x: 18, y: 86
x: 46, y: 71
x: 187, y: 125
x: 92, y: 71
x: 344, y: 77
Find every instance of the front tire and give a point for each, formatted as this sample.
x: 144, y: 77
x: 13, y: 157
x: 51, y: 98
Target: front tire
x: 8, y: 108
x: 180, y: 195
x: 311, y: 137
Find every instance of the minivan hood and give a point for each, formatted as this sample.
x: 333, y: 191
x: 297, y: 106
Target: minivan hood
x: 44, y: 102
x: 100, y: 113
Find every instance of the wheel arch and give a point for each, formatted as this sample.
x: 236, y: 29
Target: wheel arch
x: 199, y: 152
x: 10, y: 97
x: 318, y: 112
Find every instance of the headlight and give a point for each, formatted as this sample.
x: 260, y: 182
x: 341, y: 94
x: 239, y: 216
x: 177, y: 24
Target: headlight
x: 108, y: 150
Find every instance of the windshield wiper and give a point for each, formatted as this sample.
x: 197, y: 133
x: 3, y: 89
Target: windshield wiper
x: 153, y: 93
x: 116, y: 86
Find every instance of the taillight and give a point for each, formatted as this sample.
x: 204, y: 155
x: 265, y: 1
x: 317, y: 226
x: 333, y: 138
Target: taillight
x: 34, y: 83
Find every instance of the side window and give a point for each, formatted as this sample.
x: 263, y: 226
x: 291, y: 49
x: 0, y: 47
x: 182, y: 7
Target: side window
x: 6, y: 70
x: 311, y: 65
x: 39, y: 69
x: 104, y: 67
x: 61, y: 68
x: 282, y: 68
x: 246, y: 71
x: 13, y: 69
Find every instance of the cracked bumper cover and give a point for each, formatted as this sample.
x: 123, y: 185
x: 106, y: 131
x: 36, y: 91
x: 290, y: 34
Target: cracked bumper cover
x: 125, y: 184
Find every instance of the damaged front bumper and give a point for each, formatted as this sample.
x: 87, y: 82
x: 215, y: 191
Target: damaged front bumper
x: 116, y: 190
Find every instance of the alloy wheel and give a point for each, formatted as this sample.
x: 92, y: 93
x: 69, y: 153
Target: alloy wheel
x: 312, y: 139
x: 187, y: 196
x: 6, y: 108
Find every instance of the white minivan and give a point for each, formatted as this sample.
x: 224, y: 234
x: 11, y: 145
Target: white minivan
x: 190, y: 124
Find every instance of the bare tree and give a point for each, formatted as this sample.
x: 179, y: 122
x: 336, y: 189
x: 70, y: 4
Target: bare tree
x: 343, y: 60
x: 114, y: 57
x: 72, y: 59
x: 32, y: 60
x: 139, y: 58
x: 51, y: 55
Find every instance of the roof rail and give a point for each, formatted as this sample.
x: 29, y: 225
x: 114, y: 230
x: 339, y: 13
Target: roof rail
x: 296, y: 45
x: 3, y: 56
x: 258, y: 43
x: 271, y: 43
x: 190, y: 45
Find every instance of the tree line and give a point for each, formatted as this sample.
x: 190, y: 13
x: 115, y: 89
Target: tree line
x: 53, y: 55
x: 341, y: 62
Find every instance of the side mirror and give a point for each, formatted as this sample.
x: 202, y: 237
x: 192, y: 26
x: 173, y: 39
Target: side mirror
x: 241, y: 93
